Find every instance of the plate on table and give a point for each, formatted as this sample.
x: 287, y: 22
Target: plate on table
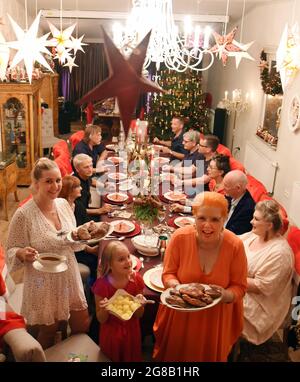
x: 190, y: 308
x: 91, y: 241
x: 162, y: 160
x: 123, y: 226
x: 116, y: 176
x: 147, y: 280
x: 126, y: 186
x: 117, y: 197
x: 174, y: 196
x: 155, y: 278
x: 111, y: 147
x: 115, y: 160
x: 183, y: 221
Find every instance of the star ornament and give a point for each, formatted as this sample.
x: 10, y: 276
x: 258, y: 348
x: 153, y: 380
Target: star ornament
x: 226, y: 46
x: 70, y: 63
x: 4, y: 57
x: 288, y: 54
x: 125, y: 81
x: 77, y: 44
x: 29, y: 47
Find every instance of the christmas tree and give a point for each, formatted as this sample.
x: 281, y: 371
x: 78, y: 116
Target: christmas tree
x: 183, y: 97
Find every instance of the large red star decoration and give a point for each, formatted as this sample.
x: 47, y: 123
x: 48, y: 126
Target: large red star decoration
x: 125, y: 81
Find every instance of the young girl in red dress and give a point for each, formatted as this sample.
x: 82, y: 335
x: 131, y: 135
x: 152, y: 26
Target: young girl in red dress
x: 119, y: 340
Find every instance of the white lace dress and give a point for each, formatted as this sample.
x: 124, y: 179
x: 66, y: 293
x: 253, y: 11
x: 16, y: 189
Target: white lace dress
x: 47, y: 296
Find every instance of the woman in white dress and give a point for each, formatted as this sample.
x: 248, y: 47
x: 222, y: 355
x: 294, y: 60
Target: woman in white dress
x: 35, y: 228
x: 270, y: 272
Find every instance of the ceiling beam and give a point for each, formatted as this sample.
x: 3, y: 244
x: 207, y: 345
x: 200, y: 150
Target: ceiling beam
x: 55, y: 13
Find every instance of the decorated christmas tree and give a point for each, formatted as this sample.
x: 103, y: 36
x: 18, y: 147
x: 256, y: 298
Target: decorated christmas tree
x: 183, y: 97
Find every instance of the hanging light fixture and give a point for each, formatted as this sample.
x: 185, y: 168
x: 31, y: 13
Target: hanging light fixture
x: 177, y: 51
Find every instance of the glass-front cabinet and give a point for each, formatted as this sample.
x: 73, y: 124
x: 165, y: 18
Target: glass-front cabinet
x: 20, y: 114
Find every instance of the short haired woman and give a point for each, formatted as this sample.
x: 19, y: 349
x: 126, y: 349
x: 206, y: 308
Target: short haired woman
x: 209, y: 254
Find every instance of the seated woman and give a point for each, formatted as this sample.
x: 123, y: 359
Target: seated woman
x: 270, y: 271
x: 91, y: 145
x: 203, y: 253
x: 71, y: 191
x: 218, y: 167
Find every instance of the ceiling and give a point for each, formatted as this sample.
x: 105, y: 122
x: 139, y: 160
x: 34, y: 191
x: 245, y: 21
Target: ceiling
x: 90, y: 27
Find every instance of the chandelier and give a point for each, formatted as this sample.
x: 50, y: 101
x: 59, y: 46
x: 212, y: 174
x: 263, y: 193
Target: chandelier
x: 177, y: 51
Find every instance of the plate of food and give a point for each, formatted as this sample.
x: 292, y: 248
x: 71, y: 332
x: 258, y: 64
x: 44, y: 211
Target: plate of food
x: 115, y: 160
x: 134, y: 261
x: 190, y: 297
x: 175, y: 196
x: 123, y: 305
x: 117, y: 197
x: 90, y: 233
x: 123, y: 226
x: 182, y: 221
x: 116, y: 176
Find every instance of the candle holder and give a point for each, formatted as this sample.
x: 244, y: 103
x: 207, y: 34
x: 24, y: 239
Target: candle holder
x: 236, y: 106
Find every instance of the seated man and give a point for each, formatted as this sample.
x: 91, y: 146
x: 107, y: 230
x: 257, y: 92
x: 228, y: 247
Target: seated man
x: 91, y: 145
x: 174, y: 147
x: 241, y: 203
x: 83, y: 171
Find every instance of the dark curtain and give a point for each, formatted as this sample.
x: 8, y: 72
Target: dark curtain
x: 92, y: 69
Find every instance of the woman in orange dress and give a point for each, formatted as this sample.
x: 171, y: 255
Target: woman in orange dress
x: 218, y: 167
x: 209, y: 254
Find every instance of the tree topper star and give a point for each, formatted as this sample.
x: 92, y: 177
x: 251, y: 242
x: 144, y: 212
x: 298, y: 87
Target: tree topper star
x: 125, y: 81
x: 28, y: 46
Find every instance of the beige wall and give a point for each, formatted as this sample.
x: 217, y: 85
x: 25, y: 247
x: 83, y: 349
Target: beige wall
x: 264, y: 25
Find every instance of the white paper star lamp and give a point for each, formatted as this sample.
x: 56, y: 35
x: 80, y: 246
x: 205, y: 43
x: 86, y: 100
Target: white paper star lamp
x: 61, y: 39
x: 77, y: 44
x: 71, y: 63
x: 4, y: 57
x: 29, y: 47
x: 242, y: 53
x: 288, y: 54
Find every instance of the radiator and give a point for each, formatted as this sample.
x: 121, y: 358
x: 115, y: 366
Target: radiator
x: 261, y: 167
x: 294, y: 207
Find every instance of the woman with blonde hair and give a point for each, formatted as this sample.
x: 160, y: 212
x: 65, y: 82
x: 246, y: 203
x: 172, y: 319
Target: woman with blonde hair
x: 36, y: 227
x: 209, y: 254
x: 270, y: 272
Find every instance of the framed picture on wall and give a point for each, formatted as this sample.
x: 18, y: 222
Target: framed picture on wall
x: 294, y: 113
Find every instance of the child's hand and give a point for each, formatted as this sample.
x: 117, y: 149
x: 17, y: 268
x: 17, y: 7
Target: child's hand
x: 142, y: 300
x: 103, y: 303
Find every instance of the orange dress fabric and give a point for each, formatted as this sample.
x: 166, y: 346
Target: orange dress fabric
x: 207, y: 335
x: 212, y: 186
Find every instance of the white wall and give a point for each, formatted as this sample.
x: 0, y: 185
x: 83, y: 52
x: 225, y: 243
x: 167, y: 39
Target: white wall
x: 263, y: 24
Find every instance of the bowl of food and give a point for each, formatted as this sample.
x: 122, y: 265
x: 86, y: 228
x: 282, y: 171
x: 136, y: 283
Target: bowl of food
x: 50, y: 259
x: 123, y: 305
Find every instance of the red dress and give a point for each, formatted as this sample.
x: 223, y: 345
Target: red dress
x: 120, y: 340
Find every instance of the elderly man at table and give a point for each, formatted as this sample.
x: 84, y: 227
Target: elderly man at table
x: 241, y: 203
x: 174, y: 147
x: 83, y: 165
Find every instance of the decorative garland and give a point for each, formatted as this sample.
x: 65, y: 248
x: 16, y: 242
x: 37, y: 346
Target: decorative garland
x: 270, y: 79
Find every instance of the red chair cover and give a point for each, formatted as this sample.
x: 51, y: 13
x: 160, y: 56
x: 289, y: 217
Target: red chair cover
x: 76, y: 137
x: 59, y: 148
x: 293, y: 239
x: 221, y: 149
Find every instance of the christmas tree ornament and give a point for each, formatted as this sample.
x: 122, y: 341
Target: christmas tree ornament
x: 125, y: 81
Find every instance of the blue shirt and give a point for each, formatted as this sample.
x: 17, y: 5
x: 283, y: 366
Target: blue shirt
x: 84, y: 148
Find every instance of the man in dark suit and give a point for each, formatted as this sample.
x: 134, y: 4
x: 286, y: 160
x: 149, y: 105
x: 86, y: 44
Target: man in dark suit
x: 241, y: 204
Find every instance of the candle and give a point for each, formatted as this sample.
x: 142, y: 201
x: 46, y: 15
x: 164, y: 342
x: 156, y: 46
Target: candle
x: 207, y: 32
x: 226, y: 94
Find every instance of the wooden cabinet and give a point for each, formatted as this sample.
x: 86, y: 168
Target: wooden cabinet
x: 20, y: 124
x: 49, y: 94
x: 8, y: 179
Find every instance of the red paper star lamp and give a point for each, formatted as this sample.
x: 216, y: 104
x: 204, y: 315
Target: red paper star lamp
x: 125, y: 81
